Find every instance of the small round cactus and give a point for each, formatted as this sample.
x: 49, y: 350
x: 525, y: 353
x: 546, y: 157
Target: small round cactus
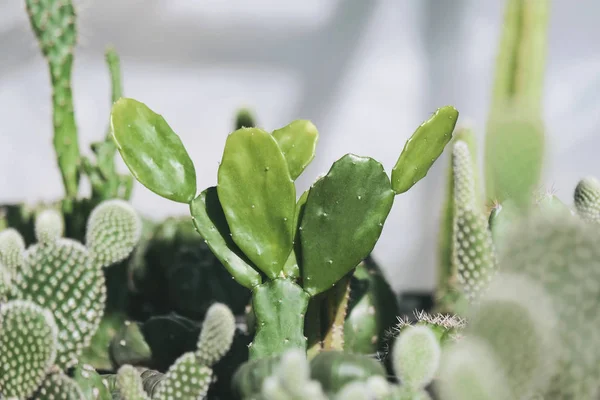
x: 12, y: 247
x: 473, y: 252
x: 27, y: 347
x: 113, y: 230
x: 587, y: 199
x: 130, y: 385
x: 217, y: 334
x: 49, y: 226
x: 416, y: 356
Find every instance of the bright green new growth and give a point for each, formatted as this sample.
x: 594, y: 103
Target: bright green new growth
x: 343, y: 219
x: 472, y: 249
x: 186, y: 379
x: 130, y: 384
x: 61, y: 277
x: 561, y: 253
x: 210, y: 222
x: 514, y: 147
x: 27, y: 347
x: 470, y: 371
x: 53, y: 22
x: 217, y: 334
x: 297, y: 142
x: 12, y: 247
x: 261, y: 221
x: 587, y: 199
x: 423, y: 148
x: 447, y: 327
x: 152, y: 151
x: 59, y: 386
x: 49, y: 226
x: 113, y: 230
x: 416, y: 356
x: 291, y: 380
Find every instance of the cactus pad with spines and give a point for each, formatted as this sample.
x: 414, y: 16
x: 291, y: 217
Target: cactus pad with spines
x: 49, y: 226
x: 473, y: 250
x: 113, y: 230
x: 186, y: 379
x: 343, y: 219
x: 447, y: 327
x: 262, y: 220
x: 416, y: 356
x: 210, y: 222
x: 130, y: 385
x: 216, y: 336
x: 12, y: 247
x: 90, y: 382
x: 423, y: 148
x: 587, y: 199
x: 61, y: 277
x: 59, y: 386
x: 27, y: 347
x: 297, y: 142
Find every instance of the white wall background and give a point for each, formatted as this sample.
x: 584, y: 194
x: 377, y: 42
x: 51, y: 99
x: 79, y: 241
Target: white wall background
x: 365, y: 72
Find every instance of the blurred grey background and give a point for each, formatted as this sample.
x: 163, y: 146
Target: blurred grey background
x: 366, y: 72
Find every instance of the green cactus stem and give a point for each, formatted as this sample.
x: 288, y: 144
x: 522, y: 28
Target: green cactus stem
x: 130, y: 385
x: 587, y: 199
x: 336, y: 307
x: 53, y: 23
x: 279, y: 306
x: 515, y: 144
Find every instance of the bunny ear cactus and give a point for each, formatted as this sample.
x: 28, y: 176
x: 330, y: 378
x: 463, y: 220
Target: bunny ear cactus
x: 59, y: 386
x: 49, y: 226
x: 28, y: 345
x: 12, y: 247
x: 130, y: 385
x: 216, y: 336
x: 587, y: 199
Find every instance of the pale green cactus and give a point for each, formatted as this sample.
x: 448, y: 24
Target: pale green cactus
x: 416, y: 356
x: 12, y: 247
x: 587, y: 199
x: 473, y: 252
x: 28, y: 344
x: 447, y: 327
x: 130, y: 384
x: 59, y: 386
x: 49, y: 226
x: 186, y: 379
x: 216, y: 336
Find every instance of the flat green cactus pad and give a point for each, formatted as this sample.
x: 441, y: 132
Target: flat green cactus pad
x: 186, y: 379
x: 153, y: 153
x: 27, y: 347
x: 423, y: 148
x: 59, y: 386
x: 343, y: 218
x: 297, y: 142
x: 258, y: 197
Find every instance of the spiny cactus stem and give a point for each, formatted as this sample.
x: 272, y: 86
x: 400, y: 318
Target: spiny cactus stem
x: 336, y: 303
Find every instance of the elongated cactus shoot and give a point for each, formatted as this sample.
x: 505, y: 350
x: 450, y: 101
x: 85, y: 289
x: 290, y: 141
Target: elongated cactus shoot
x: 130, y: 385
x: 473, y: 250
x: 217, y: 334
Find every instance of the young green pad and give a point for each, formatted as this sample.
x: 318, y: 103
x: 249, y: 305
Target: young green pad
x: 423, y: 148
x: 258, y: 197
x: 297, y: 142
x: 343, y: 218
x: 210, y: 222
x: 279, y: 306
x: 153, y: 153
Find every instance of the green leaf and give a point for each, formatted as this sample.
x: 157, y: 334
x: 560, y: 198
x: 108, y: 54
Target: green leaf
x: 258, y: 197
x: 292, y: 265
x: 210, y: 222
x: 423, y: 148
x: 152, y: 151
x: 297, y: 142
x: 342, y: 221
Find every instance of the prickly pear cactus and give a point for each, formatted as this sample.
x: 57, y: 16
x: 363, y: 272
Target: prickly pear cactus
x: 130, y: 384
x: 12, y: 247
x: 59, y: 386
x: 49, y: 226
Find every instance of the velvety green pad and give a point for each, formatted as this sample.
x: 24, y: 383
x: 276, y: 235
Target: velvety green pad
x: 297, y: 142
